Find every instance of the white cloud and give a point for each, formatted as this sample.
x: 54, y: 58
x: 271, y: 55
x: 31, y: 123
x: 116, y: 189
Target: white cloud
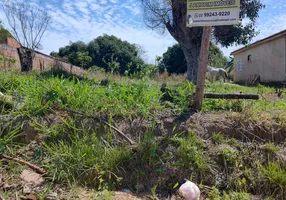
x: 103, y: 2
x: 85, y: 20
x: 82, y: 7
x: 67, y: 7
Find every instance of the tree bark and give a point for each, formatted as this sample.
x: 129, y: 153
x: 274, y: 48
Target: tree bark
x: 26, y: 59
x: 188, y: 38
x: 192, y: 53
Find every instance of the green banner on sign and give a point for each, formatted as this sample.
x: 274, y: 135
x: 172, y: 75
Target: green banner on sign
x: 212, y: 4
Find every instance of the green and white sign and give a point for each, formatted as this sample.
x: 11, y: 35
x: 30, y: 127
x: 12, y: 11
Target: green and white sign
x: 212, y: 12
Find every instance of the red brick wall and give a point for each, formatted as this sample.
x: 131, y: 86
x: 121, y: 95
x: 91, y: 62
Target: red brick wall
x: 9, y: 52
x: 41, y: 61
x: 44, y: 62
x: 12, y: 42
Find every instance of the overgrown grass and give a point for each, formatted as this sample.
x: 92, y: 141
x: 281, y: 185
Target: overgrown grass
x: 74, y: 153
x: 271, y: 147
x: 275, y: 175
x: 218, y: 138
x: 8, y: 137
x: 215, y: 194
x: 86, y: 159
x: 37, y: 93
x: 264, y: 103
x: 192, y: 154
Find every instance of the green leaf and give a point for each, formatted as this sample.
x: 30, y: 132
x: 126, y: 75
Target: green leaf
x: 2, y: 147
x: 176, y: 185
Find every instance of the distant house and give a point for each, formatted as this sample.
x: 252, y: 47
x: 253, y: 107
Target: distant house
x: 41, y: 62
x: 264, y: 59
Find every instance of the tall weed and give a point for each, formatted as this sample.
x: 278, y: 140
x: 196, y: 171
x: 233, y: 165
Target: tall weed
x: 87, y: 160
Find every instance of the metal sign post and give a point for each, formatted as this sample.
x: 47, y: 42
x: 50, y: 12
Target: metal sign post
x: 209, y: 13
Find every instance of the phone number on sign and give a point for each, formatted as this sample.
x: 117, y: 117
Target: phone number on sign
x: 212, y: 14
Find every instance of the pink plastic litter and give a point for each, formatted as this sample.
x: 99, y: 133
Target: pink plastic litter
x: 190, y: 191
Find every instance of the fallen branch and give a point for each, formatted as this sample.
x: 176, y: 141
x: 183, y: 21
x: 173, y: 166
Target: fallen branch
x: 16, y: 195
x: 247, y: 131
x: 32, y: 166
x: 231, y: 96
x: 244, y: 135
x: 206, y: 187
x: 226, y: 168
x: 102, y: 121
x: 4, y: 181
x: 120, y: 132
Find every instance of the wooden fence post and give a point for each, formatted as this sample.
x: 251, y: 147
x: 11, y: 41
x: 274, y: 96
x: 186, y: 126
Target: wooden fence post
x: 203, y: 62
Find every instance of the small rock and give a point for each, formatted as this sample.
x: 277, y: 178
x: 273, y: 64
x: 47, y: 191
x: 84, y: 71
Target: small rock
x: 27, y: 189
x: 173, y: 197
x: 7, y: 187
x: 31, y: 134
x: 281, y: 156
x: 60, y: 191
x: 256, y: 197
x: 218, y: 180
x: 140, y: 187
x: 123, y: 195
x: 223, y: 147
x: 31, y: 197
x: 126, y: 191
x: 32, y: 177
x: 52, y: 196
x: 6, y: 97
x: 85, y: 195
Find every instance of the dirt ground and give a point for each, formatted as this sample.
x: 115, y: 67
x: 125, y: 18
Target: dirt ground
x: 241, y: 126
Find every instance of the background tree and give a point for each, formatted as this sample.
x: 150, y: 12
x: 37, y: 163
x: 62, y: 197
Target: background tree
x: 83, y: 59
x: 174, y: 61
x: 141, y: 52
x: 157, y: 60
x: 171, y: 15
x: 105, y: 50
x: 54, y: 54
x: 28, y: 23
x: 112, y: 48
x: 216, y: 57
x: 230, y: 64
x: 4, y: 33
x: 70, y: 52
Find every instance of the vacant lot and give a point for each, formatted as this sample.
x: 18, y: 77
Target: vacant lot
x: 103, y: 134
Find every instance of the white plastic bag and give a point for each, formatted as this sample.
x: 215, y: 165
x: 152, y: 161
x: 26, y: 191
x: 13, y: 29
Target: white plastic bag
x: 190, y: 191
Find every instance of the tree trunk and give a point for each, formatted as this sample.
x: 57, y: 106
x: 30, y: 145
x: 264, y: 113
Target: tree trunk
x: 192, y: 53
x: 26, y: 59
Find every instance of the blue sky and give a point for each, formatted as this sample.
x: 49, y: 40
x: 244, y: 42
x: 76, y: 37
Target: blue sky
x: 85, y: 20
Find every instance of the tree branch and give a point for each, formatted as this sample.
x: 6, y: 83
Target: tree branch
x: 28, y: 22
